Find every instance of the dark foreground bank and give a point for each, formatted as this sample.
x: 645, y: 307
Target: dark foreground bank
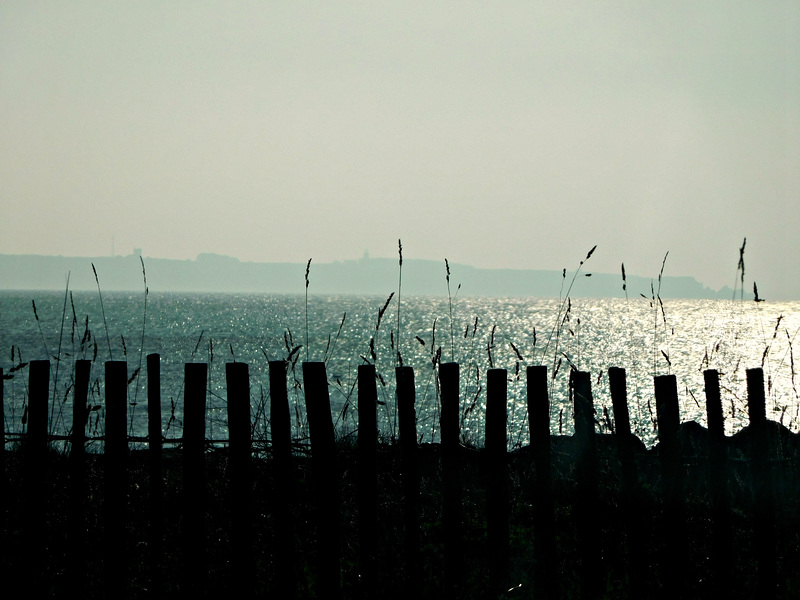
x: 633, y: 541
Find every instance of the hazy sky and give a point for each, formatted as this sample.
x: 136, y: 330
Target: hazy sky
x: 502, y: 134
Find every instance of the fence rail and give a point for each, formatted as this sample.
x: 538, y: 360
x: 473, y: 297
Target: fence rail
x: 221, y: 515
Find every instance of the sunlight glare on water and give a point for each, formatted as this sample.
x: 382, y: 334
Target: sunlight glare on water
x: 646, y: 337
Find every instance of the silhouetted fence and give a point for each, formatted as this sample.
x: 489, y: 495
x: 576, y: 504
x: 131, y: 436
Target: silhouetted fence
x: 603, y: 478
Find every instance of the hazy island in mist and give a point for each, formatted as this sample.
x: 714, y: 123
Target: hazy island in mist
x: 364, y: 276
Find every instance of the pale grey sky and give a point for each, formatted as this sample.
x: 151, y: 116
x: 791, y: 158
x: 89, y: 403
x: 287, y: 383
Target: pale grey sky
x: 502, y: 134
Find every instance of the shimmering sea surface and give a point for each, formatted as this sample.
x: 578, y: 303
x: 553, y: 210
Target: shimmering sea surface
x: 646, y: 337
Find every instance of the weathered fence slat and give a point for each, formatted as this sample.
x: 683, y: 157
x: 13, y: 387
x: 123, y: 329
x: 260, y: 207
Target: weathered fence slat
x: 80, y: 413
x: 407, y: 416
x: 587, y: 498
x: 631, y: 509
x: 544, y: 542
x: 38, y: 397
x: 452, y: 518
x: 35, y: 475
x: 281, y: 432
x: 237, y: 377
x: 367, y: 476
x: 325, y: 472
x: 194, y: 478
x: 721, y: 547
x: 76, y: 555
x: 280, y: 418
x: 497, y: 498
x: 764, y: 509
x: 155, y: 452
x: 618, y: 387
x: 116, y: 477
x: 668, y: 413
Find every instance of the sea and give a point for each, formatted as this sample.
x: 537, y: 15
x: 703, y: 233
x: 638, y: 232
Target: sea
x: 645, y: 336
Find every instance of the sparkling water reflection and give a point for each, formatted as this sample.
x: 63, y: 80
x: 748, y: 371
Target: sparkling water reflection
x: 646, y: 337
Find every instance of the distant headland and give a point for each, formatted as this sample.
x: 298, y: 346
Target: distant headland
x: 364, y: 276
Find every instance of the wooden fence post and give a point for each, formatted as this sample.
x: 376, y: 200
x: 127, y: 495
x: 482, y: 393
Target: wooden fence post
x: 497, y: 497
x: 194, y: 478
x: 280, y: 419
x: 721, y: 556
x: 631, y: 509
x: 38, y: 396
x: 764, y: 509
x: 368, y: 476
x: 587, y: 501
x: 155, y: 454
x: 116, y: 477
x: 34, y: 478
x: 618, y: 386
x: 452, y: 518
x: 281, y: 431
x: 407, y: 415
x: 241, y: 480
x: 76, y: 558
x: 544, y: 547
x: 325, y: 471
x: 673, y: 576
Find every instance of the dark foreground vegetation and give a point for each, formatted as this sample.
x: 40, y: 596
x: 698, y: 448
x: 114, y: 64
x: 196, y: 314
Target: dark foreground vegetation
x: 701, y: 515
x: 53, y: 546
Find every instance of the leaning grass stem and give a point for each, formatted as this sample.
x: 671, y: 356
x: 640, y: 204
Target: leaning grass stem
x: 399, y: 359
x: 141, y: 347
x: 656, y: 299
x: 450, y: 303
x: 564, y: 308
x: 103, y: 311
x: 58, y: 354
x: 39, y: 325
x: 308, y: 268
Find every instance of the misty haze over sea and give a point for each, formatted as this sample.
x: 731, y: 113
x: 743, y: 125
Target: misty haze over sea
x: 365, y: 276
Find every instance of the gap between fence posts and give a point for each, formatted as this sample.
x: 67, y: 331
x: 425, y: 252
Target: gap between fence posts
x: 154, y: 458
x: 115, y: 452
x: 587, y: 500
x: 544, y: 536
x: 673, y: 571
x: 194, y: 480
x: 325, y: 472
x: 452, y: 518
x: 631, y: 509
x: 497, y: 497
x: 281, y: 430
x: 76, y: 528
x: 407, y: 416
x: 237, y: 377
x: 367, y: 477
x: 721, y: 544
x: 764, y: 508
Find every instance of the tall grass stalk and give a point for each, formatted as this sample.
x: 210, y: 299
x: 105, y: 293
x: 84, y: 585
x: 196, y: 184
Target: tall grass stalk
x: 739, y: 282
x: 103, y: 312
x: 450, y: 304
x: 564, y: 308
x: 399, y: 359
x: 659, y: 304
x: 58, y: 353
x: 39, y: 325
x: 308, y: 268
x: 141, y: 346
